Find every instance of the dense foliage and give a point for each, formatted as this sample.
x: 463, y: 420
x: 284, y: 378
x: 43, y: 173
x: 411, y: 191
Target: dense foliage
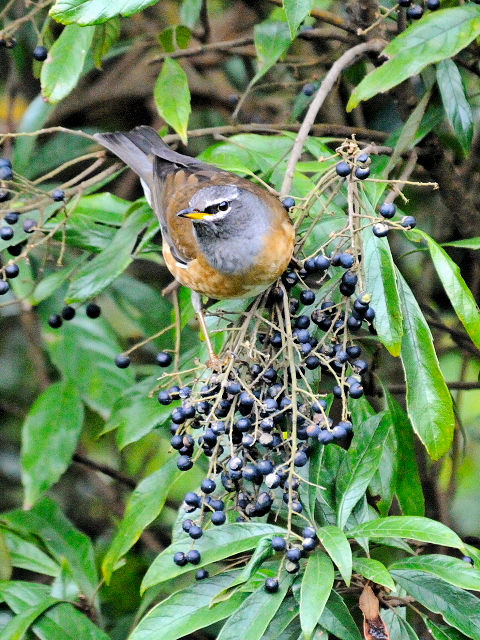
x: 323, y: 479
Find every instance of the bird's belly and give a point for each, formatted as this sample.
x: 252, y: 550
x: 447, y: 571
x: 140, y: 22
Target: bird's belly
x: 200, y: 276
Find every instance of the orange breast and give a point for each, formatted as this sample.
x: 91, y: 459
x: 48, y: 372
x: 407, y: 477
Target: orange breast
x: 200, y: 276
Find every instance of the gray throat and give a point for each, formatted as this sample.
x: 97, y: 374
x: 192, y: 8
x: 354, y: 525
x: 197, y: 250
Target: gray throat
x: 227, y: 252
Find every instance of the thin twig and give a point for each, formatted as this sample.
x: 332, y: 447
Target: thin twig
x: 105, y: 469
x: 327, y: 85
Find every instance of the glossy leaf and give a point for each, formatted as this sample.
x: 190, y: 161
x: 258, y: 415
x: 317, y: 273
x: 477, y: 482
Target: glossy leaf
x: 65, y: 543
x: 63, y: 67
x: 49, y: 437
x: 442, y: 632
x: 272, y: 39
x: 452, y: 570
x: 143, y: 506
x: 253, y: 616
x: 437, y: 36
x: 98, y: 273
x: 95, y: 11
x: 459, y: 294
x: 408, y: 486
x: 61, y: 622
x: 286, y: 614
x: 458, y: 608
x: 468, y: 243
x: 373, y: 570
x: 296, y: 12
x: 455, y: 103
x: 135, y: 414
x: 105, y: 36
x: 359, y: 465
x: 6, y: 562
x: 338, y: 548
x: 316, y: 587
x: 429, y: 403
x: 84, y: 351
x: 19, y: 624
x: 397, y: 626
x: 414, y: 527
x: 172, y: 97
x: 26, y: 555
x: 337, y: 619
x: 215, y: 544
x: 381, y: 283
x: 188, y: 610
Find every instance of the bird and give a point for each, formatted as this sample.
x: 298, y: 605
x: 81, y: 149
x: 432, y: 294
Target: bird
x: 222, y: 235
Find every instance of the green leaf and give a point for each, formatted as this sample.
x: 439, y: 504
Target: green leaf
x: 381, y: 283
x: 63, y: 541
x: 271, y: 39
x: 337, y: 619
x: 468, y: 243
x: 6, y: 562
x: 373, y: 570
x: 285, y: 615
x: 429, y: 404
x: 408, y: 486
x: 414, y: 527
x: 61, y: 622
x: 190, y: 12
x: 143, y: 506
x: 172, y: 97
x: 49, y: 437
x: 360, y: 464
x: 26, y: 555
x: 98, y: 273
x: 439, y: 35
x: 459, y: 608
x: 398, y: 628
x: 296, y: 12
x: 441, y: 632
x: 338, y: 548
x: 459, y: 294
x: 95, y: 11
x: 46, y: 287
x: 459, y: 112
x: 452, y: 570
x: 19, y: 625
x: 105, y: 36
x: 188, y: 610
x: 84, y: 351
x: 215, y: 544
x: 255, y: 613
x: 316, y: 587
x: 63, y: 67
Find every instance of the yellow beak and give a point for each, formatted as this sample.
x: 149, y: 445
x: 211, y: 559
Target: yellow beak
x: 193, y: 214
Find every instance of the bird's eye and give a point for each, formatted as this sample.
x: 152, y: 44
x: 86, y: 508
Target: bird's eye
x: 223, y: 206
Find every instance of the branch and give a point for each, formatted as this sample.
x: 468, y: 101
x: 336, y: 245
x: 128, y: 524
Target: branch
x: 327, y: 85
x: 224, y: 45
x: 105, y: 469
x: 325, y: 16
x: 461, y: 386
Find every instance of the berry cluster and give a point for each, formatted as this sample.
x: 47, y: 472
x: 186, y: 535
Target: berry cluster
x: 55, y: 321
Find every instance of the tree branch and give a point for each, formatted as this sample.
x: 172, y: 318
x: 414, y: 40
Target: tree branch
x: 329, y: 81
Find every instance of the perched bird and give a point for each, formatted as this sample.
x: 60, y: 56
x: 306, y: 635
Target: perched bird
x: 223, y: 236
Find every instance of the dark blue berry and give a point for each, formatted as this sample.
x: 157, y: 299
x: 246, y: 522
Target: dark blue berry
x: 12, y: 270
x: 279, y: 543
x: 68, y: 313
x: 180, y: 559
x: 4, y: 195
x: 308, y: 89
x: 11, y: 217
x: 164, y: 398
x: 271, y: 585
x: 218, y: 518
x: 307, y: 297
x: 163, y: 359
x: 58, y: 195
x: 193, y: 556
x: 4, y: 287
x: 122, y: 361
x: 29, y: 225
x: 433, y: 5
x: 93, y: 310
x: 300, y: 459
x: 388, y: 210
x: 343, y: 169
x: 380, y: 229
x: 325, y: 436
x: 40, y: 53
x: 195, y: 532
x: 363, y: 157
x: 55, y: 321
x: 201, y: 574
x: 362, y: 172
x: 6, y: 173
x: 288, y: 203
x: 309, y: 544
x: 409, y: 222
x: 415, y: 12
x: 294, y: 554
x: 184, y: 463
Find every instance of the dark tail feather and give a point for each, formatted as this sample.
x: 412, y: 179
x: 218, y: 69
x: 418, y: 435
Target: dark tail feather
x: 137, y: 147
